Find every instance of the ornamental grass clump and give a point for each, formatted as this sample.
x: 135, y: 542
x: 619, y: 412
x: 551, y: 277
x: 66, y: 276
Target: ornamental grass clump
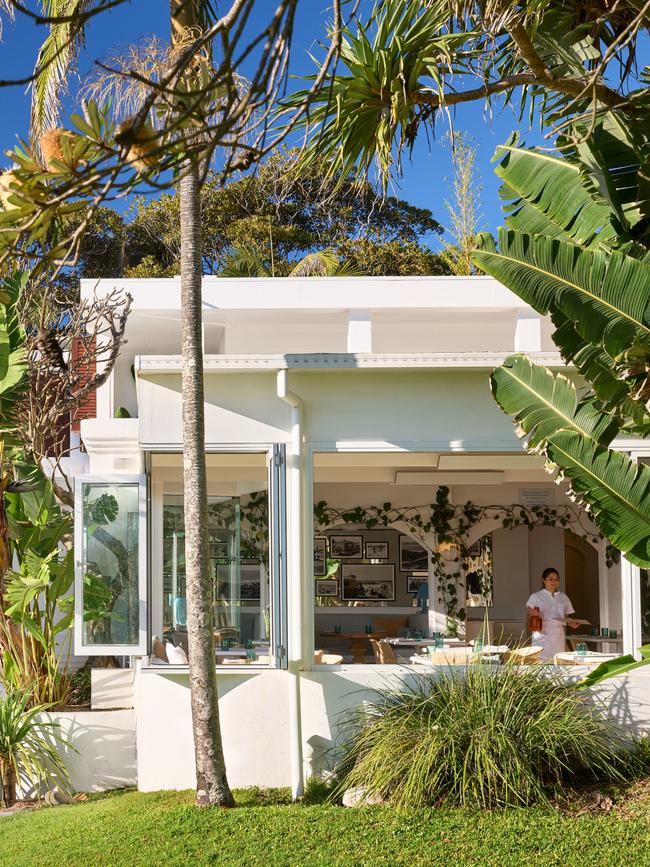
x: 28, y: 746
x: 488, y: 737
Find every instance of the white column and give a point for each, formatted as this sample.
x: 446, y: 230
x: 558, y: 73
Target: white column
x: 528, y: 331
x: 631, y: 599
x: 359, y: 331
x: 105, y: 398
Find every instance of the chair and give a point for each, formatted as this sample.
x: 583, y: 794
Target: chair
x: 564, y: 659
x: 388, y: 624
x: 384, y: 653
x: 524, y: 655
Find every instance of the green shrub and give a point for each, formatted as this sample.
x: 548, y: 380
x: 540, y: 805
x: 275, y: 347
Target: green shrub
x: 489, y: 737
x: 28, y: 745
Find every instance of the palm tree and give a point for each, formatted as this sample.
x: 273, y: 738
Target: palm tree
x: 211, y: 781
x: 245, y: 262
x: 55, y: 58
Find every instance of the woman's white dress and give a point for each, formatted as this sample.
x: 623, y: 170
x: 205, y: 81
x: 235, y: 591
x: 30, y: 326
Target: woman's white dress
x: 554, y: 608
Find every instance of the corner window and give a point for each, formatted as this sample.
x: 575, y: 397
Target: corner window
x: 110, y: 565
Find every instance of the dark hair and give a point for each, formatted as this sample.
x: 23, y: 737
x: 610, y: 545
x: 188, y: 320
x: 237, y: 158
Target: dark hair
x: 549, y: 571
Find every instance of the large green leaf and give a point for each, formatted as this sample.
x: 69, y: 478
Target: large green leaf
x: 614, y: 667
x: 549, y: 197
x: 605, y: 295
x: 616, y: 489
x: 543, y: 403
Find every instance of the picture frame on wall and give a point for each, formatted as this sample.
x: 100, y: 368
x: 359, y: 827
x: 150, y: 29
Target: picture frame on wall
x: 376, y: 550
x: 414, y: 582
x: 250, y: 584
x: 346, y: 547
x: 368, y: 582
x: 327, y: 587
x: 320, y: 556
x: 412, y: 556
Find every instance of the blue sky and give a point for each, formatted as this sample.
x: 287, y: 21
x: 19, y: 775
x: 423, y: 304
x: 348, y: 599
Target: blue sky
x: 425, y: 175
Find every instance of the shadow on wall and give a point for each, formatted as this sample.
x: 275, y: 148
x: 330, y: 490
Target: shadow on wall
x: 101, y: 753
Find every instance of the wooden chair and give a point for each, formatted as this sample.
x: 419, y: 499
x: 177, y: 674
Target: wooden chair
x: 524, y: 655
x: 384, y: 653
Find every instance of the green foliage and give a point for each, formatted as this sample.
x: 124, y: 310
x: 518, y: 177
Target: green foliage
x: 614, y: 667
x: 491, y: 737
x: 38, y: 607
x: 28, y: 744
x: 277, y: 217
x: 578, y: 248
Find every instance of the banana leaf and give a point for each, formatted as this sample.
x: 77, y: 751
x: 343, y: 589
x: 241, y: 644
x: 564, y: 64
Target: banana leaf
x: 616, y: 489
x: 614, y: 667
x: 549, y: 198
x: 543, y: 402
x: 605, y: 295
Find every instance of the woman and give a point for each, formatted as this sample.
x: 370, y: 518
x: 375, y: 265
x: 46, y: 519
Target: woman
x: 554, y: 608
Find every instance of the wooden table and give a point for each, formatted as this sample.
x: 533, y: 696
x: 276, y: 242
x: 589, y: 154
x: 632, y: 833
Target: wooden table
x: 359, y: 642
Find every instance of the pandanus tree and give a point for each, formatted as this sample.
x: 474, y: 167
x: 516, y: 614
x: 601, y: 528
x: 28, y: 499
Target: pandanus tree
x: 576, y: 245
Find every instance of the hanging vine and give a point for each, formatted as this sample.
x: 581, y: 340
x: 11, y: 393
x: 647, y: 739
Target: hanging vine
x: 445, y: 522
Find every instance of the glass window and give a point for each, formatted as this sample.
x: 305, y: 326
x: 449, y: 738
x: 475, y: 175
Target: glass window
x: 246, y: 563
x: 110, y: 541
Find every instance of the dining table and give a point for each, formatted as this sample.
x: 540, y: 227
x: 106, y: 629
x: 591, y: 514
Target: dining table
x: 358, y: 642
x: 590, y: 658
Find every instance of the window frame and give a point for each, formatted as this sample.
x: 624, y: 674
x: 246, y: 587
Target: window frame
x: 139, y: 648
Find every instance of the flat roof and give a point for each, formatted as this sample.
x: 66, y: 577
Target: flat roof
x: 318, y: 293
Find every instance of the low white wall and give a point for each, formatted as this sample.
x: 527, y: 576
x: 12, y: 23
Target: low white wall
x: 101, y: 752
x: 254, y: 725
x: 255, y: 719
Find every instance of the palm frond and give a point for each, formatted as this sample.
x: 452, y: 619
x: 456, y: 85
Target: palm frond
x: 55, y: 60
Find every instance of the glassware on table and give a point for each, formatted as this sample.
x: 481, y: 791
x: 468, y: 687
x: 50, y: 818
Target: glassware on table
x: 581, y: 652
x: 368, y: 630
x: 613, y: 633
x: 439, y: 641
x: 417, y: 635
x: 337, y: 630
x: 478, y: 645
x: 604, y: 632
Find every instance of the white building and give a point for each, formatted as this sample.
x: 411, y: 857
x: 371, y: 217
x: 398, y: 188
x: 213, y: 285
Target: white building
x: 345, y: 393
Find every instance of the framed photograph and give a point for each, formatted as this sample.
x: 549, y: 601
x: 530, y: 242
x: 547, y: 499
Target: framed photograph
x: 412, y: 556
x: 346, y: 547
x: 414, y: 582
x: 320, y: 556
x: 220, y: 550
x: 376, y: 550
x: 327, y: 587
x: 249, y: 587
x: 367, y: 582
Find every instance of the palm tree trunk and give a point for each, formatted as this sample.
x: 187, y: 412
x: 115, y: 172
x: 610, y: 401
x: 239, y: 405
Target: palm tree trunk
x: 211, y: 782
x: 8, y: 783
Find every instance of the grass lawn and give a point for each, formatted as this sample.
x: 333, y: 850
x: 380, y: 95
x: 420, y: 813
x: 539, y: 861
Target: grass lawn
x: 163, y: 828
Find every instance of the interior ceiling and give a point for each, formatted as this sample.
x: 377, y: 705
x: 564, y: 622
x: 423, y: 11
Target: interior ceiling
x: 409, y: 469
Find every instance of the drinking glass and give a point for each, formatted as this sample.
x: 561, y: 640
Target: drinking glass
x: 440, y: 641
x: 613, y: 633
x: 581, y: 652
x: 478, y: 645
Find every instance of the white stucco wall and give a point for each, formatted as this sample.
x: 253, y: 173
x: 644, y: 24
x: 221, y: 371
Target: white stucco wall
x: 255, y: 720
x: 101, y: 749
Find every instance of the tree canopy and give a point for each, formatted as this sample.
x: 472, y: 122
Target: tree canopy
x: 275, y: 214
